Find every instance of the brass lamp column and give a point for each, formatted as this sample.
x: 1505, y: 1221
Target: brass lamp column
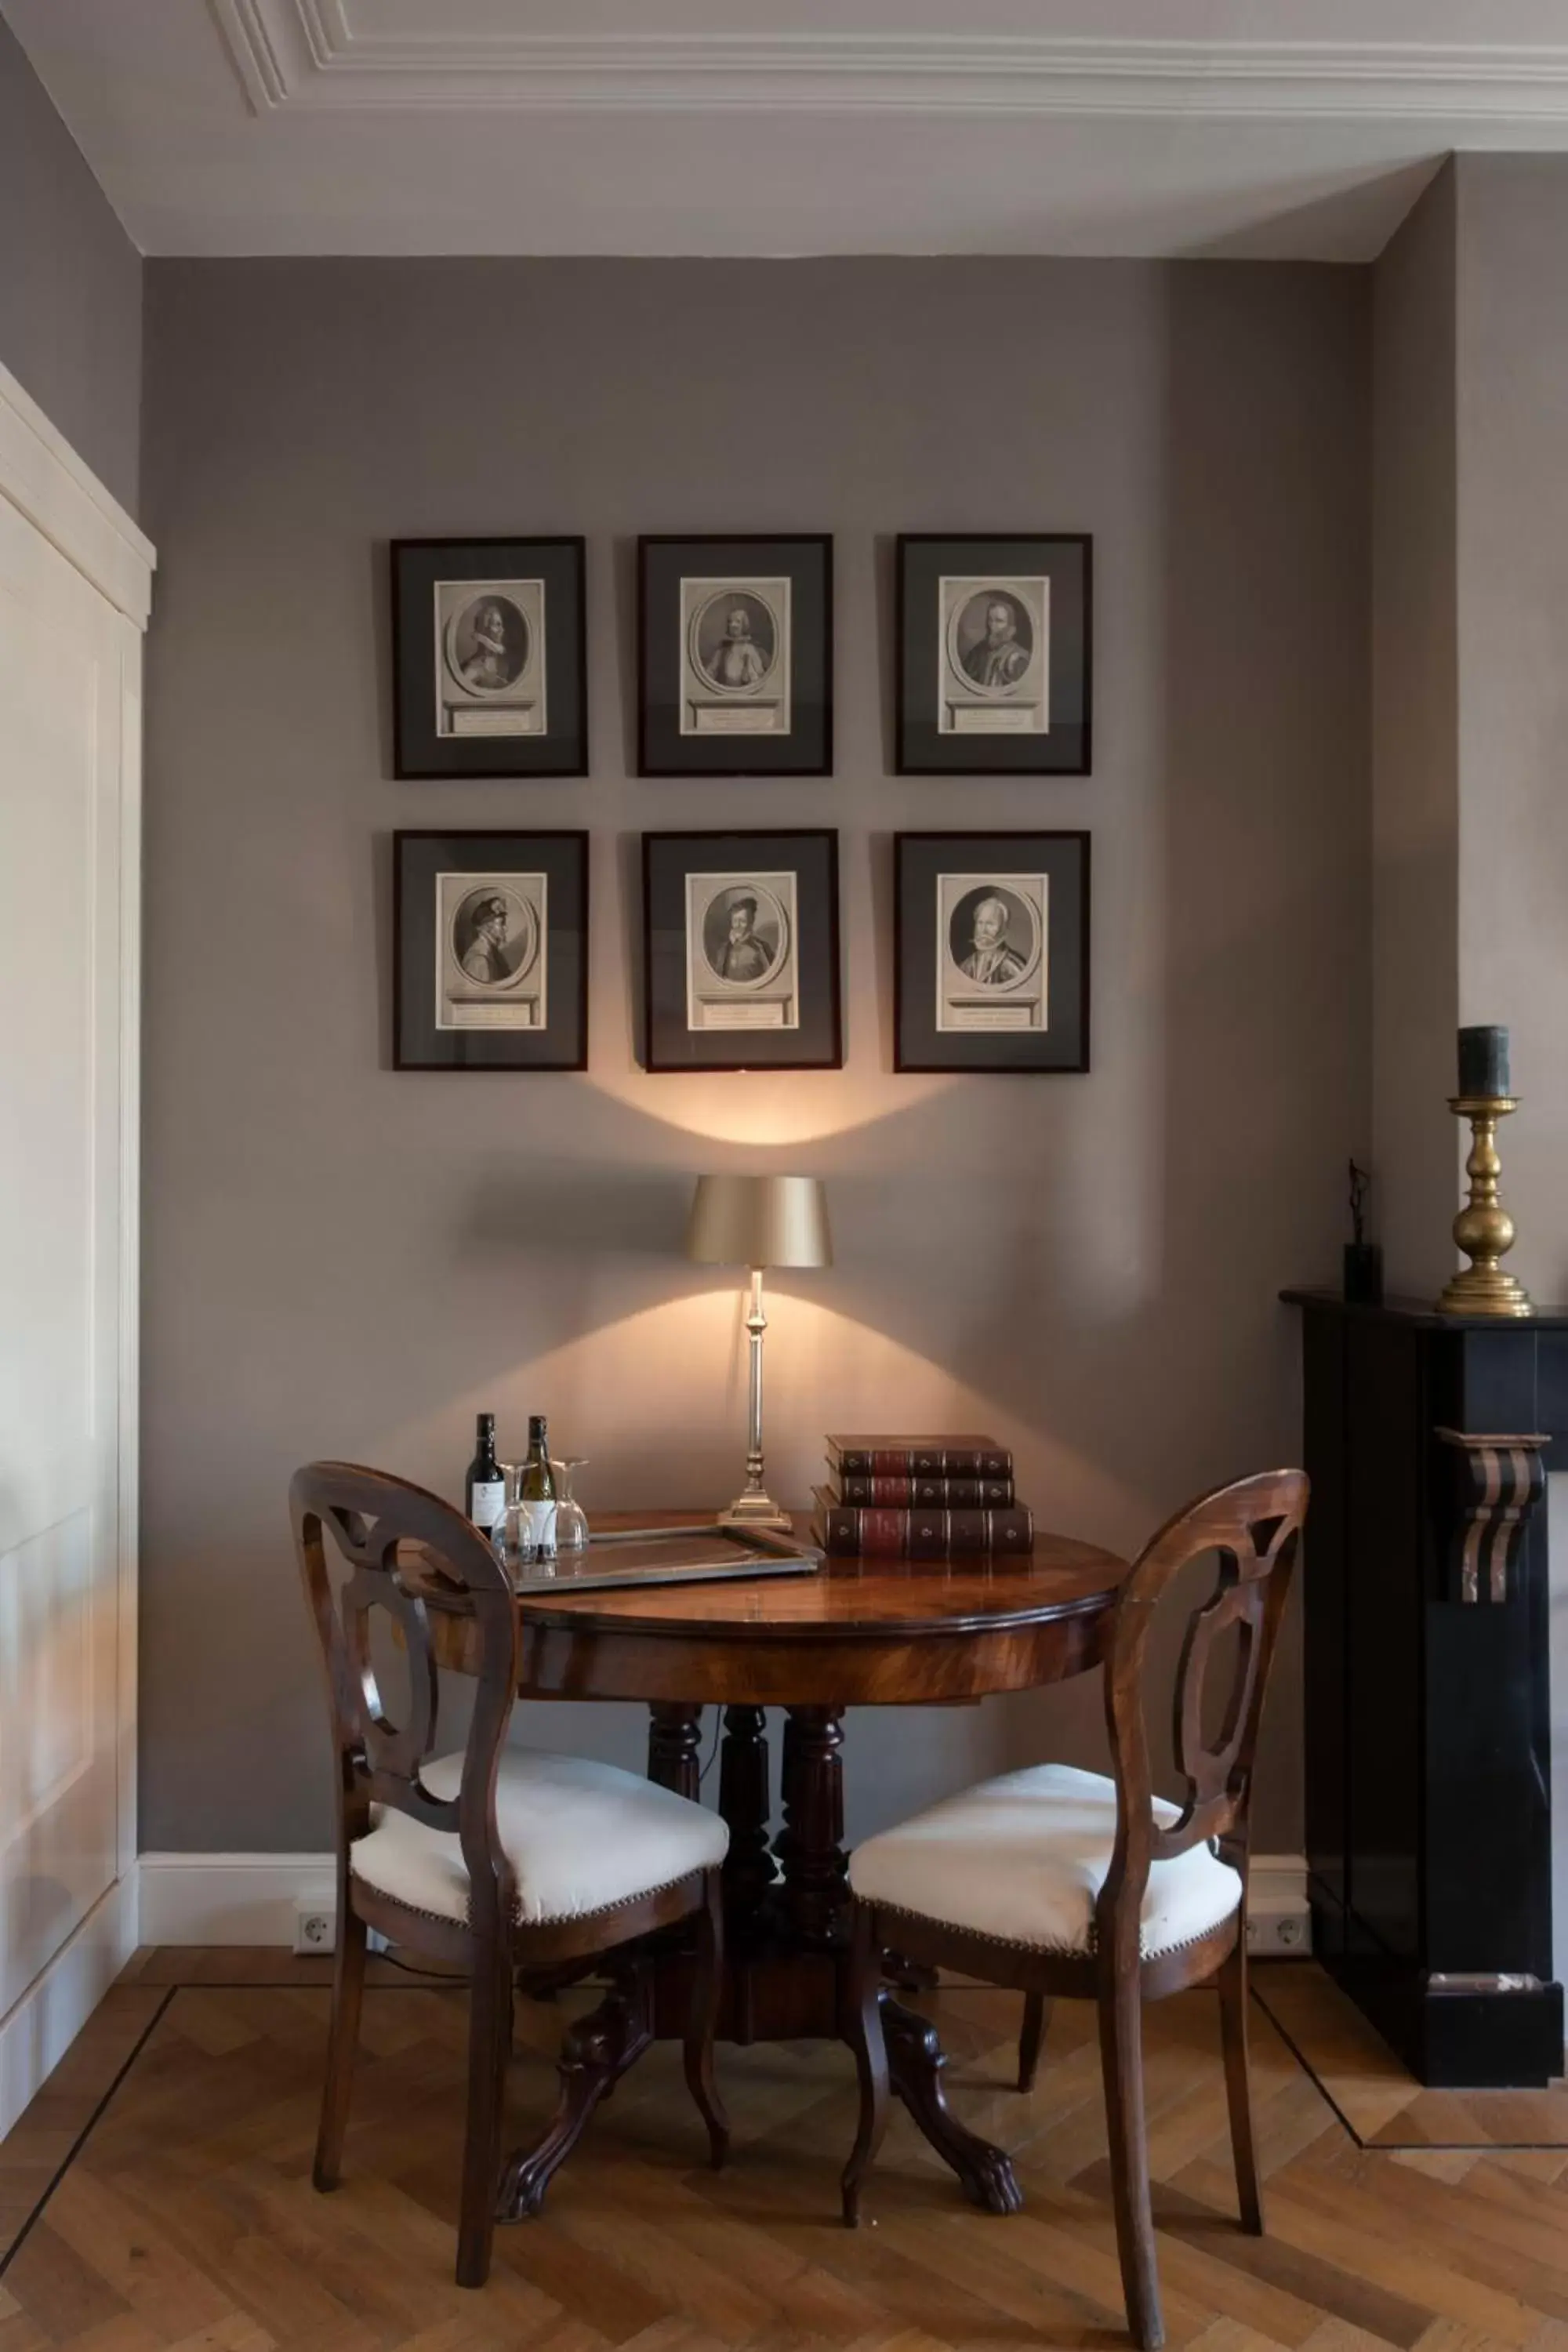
x: 758, y: 1222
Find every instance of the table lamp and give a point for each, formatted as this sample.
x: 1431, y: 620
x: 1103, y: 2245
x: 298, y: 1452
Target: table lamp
x: 758, y: 1222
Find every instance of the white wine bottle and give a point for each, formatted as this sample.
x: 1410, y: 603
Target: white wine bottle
x: 536, y: 1516
x: 484, y: 1488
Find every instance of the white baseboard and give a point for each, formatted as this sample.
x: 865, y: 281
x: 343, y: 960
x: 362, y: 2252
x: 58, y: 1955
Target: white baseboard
x: 251, y: 1898
x: 1278, y: 1921
x: 230, y: 1898
x: 40, y: 2027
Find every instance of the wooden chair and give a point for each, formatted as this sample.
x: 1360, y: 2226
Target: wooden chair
x: 1056, y: 1882
x: 493, y: 1858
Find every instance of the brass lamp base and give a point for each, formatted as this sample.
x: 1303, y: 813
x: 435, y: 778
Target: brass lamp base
x: 1486, y: 1290
x: 755, y: 1509
x: 1483, y: 1229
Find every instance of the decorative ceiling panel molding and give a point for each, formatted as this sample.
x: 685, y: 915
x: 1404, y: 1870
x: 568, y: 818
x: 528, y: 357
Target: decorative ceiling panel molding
x: 307, y: 54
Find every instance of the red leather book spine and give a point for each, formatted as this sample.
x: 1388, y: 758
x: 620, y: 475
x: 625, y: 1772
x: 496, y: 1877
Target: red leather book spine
x: 922, y: 1462
x: 915, y: 1494
x: 868, y: 1532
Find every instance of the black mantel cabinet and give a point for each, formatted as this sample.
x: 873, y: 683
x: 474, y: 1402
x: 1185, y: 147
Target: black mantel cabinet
x: 1427, y: 1713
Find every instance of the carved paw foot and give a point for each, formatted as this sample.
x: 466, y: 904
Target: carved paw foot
x: 595, y: 2055
x: 916, y: 2062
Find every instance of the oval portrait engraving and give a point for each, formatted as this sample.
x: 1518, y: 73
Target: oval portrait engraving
x: 991, y: 641
x: 488, y: 643
x: 495, y: 937
x: 734, y: 640
x: 745, y: 934
x: 994, y: 937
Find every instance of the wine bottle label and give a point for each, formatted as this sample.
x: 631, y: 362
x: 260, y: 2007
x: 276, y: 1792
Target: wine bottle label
x: 538, y: 1527
x: 488, y: 1507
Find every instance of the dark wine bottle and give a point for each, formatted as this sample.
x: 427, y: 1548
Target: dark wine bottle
x: 484, y: 1488
x: 536, y: 1531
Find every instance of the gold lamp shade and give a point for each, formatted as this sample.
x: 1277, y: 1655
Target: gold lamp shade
x: 759, y: 1221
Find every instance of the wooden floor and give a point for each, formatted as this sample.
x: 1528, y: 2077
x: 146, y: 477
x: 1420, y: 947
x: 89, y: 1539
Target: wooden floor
x: 157, y: 2193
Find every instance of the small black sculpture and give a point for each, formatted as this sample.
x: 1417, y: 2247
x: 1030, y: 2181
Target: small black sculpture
x: 1362, y: 1259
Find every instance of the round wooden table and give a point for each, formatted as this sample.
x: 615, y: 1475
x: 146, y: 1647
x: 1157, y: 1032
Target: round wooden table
x: 884, y: 1632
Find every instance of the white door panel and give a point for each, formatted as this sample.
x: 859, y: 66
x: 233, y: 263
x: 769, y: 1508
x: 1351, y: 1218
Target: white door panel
x: 61, y: 1047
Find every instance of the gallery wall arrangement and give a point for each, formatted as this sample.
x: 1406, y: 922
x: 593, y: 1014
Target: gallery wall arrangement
x: 734, y: 681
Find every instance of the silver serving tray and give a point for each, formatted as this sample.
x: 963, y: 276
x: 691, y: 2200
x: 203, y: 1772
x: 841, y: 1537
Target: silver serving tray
x: 699, y: 1555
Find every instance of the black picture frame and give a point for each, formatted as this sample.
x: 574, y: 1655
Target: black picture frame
x: 690, y: 723
x: 439, y: 875
x: 530, y: 718
x: 949, y: 720
x: 695, y: 885
x: 944, y: 1012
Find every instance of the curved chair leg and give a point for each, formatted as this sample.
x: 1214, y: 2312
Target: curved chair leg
x: 490, y: 2054
x: 1122, y: 2060
x: 1037, y: 2016
x: 343, y: 2037
x: 863, y: 2030
x: 1233, y: 2020
x: 703, y: 2020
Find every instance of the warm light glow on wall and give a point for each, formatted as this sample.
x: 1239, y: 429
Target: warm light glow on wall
x: 768, y: 1107
x: 617, y: 1394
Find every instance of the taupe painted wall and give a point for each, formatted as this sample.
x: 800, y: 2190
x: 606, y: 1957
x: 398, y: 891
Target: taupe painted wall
x: 1415, y: 753
x: 1470, y: 616
x: 344, y: 1260
x: 1470, y: 343
x: 71, y: 282
x: 1512, y: 604
x: 1512, y: 305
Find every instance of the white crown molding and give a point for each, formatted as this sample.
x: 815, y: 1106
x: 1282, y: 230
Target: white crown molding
x: 42, y: 476
x: 305, y: 54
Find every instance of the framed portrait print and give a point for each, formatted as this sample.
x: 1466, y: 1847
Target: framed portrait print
x: 735, y: 656
x: 490, y: 950
x: 488, y: 658
x: 994, y: 674
x: 741, y: 947
x: 991, y: 951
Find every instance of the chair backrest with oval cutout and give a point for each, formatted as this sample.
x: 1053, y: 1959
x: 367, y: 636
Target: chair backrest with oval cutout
x: 1255, y: 1527
x: 376, y: 1523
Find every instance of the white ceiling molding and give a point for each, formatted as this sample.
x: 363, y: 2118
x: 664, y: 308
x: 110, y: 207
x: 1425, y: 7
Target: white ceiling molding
x: 307, y: 53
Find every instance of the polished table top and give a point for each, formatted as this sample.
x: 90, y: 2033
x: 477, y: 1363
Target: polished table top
x: 892, y: 1632
x: 1060, y: 1577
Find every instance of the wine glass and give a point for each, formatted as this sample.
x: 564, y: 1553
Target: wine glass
x: 571, y: 1521
x: 510, y: 1547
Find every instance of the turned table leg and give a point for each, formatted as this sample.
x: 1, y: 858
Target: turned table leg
x: 810, y: 1846
x: 673, y: 1746
x: 744, y: 1802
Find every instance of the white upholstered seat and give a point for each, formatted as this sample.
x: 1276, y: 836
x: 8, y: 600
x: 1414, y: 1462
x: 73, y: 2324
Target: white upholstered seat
x: 581, y: 1836
x: 1023, y: 1858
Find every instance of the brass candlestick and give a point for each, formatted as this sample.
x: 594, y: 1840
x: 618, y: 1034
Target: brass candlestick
x: 1483, y: 1228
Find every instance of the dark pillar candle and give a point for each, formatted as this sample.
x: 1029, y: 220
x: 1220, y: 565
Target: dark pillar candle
x: 1483, y: 1062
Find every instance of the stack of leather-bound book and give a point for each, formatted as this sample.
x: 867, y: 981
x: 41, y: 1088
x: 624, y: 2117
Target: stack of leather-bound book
x: 923, y: 1498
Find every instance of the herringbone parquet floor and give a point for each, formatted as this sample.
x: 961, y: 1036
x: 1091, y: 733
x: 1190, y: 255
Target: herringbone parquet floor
x: 181, y: 2213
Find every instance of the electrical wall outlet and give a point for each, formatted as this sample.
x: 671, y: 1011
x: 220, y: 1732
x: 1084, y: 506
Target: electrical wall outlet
x: 1277, y: 1932
x: 315, y: 1927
